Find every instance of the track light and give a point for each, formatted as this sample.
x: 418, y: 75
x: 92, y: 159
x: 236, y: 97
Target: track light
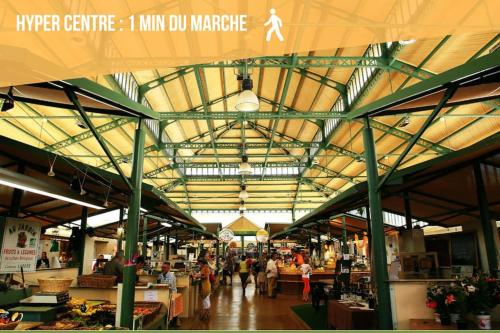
x: 405, y: 121
x: 8, y: 103
x: 242, y: 206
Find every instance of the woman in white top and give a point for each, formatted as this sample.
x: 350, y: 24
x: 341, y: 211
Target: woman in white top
x: 306, y: 270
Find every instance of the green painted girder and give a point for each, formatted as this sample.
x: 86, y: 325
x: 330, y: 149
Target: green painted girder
x: 203, y: 98
x: 226, y: 165
x: 410, y: 70
x: 128, y: 156
x: 238, y: 191
x: 74, y: 99
x: 304, y: 62
x: 406, y: 136
x: 356, y: 156
x: 459, y: 74
x: 237, y: 145
x: 237, y: 202
x: 334, y: 174
x: 98, y: 92
x: 145, y: 87
x: 241, y: 116
x: 173, y: 184
x: 88, y: 134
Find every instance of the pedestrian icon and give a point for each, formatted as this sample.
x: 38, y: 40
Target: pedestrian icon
x: 276, y: 24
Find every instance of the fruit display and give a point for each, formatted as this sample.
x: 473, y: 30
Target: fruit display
x: 76, y: 302
x: 60, y: 325
x: 9, y: 321
x: 84, y: 310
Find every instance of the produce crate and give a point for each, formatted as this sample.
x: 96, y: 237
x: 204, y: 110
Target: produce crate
x: 97, y: 281
x: 153, y: 306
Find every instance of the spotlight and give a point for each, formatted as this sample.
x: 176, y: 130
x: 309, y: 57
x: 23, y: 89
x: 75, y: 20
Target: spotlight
x: 8, y: 103
x: 405, y: 121
x: 82, y: 191
x: 81, y: 124
x: 51, y: 172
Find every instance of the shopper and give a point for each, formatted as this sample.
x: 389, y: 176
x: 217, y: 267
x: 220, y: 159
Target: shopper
x: 244, y: 271
x: 228, y: 269
x: 298, y: 259
x: 43, y: 262
x: 272, y: 276
x: 115, y: 267
x: 205, y: 290
x: 306, y: 270
x: 99, y: 264
x: 168, y: 277
x: 259, y: 268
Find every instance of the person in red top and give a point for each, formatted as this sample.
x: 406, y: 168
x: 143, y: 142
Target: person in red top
x: 298, y: 259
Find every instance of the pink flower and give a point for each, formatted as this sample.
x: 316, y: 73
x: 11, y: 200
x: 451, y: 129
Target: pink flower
x: 450, y: 299
x: 431, y: 304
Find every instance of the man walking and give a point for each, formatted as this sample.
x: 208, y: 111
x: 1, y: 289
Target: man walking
x: 272, y: 276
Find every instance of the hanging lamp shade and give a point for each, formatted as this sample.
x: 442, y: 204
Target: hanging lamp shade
x: 245, y: 168
x: 247, y: 101
x: 242, y: 206
x: 243, y: 193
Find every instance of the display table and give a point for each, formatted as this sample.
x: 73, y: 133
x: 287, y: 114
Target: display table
x: 343, y: 317
x: 291, y: 282
x: 429, y: 324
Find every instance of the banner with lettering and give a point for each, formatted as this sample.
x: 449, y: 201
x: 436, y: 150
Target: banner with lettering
x: 19, y: 246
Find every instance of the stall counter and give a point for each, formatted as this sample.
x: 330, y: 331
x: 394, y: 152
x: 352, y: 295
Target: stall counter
x: 290, y: 281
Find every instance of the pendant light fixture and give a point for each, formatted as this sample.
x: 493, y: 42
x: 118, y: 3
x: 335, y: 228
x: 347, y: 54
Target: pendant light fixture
x: 242, y: 206
x: 247, y: 101
x: 243, y: 193
x: 245, y: 168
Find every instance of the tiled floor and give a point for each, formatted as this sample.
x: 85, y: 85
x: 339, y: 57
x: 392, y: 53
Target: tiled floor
x: 231, y: 310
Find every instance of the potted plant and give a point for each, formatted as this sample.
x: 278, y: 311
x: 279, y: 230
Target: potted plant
x: 482, y: 295
x: 436, y: 300
x: 456, y: 302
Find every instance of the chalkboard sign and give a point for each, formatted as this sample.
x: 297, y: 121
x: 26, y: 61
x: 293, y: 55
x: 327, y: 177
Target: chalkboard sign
x: 343, y: 270
x: 463, y: 249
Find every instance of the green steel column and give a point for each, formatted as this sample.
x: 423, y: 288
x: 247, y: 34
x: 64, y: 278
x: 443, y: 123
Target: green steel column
x: 120, y: 237
x: 379, y: 256
x: 319, y: 245
x: 242, y: 245
x: 489, y: 241
x: 345, y: 248
x: 129, y: 274
x: 223, y: 249
x: 217, y: 254
x: 83, y: 228
x: 409, y: 223
x: 167, y: 247
x: 269, y: 247
x: 144, y: 251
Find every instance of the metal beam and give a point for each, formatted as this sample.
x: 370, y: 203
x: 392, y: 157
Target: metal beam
x: 201, y: 91
x: 448, y: 94
x: 242, y: 116
x: 74, y: 99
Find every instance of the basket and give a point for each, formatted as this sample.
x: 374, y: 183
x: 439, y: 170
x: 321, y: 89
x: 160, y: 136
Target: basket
x: 155, y: 306
x: 10, y: 326
x: 54, y: 285
x: 97, y: 281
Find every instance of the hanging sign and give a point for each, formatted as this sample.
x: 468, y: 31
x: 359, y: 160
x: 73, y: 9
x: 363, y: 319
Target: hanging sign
x: 19, y: 246
x: 226, y: 235
x: 262, y: 235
